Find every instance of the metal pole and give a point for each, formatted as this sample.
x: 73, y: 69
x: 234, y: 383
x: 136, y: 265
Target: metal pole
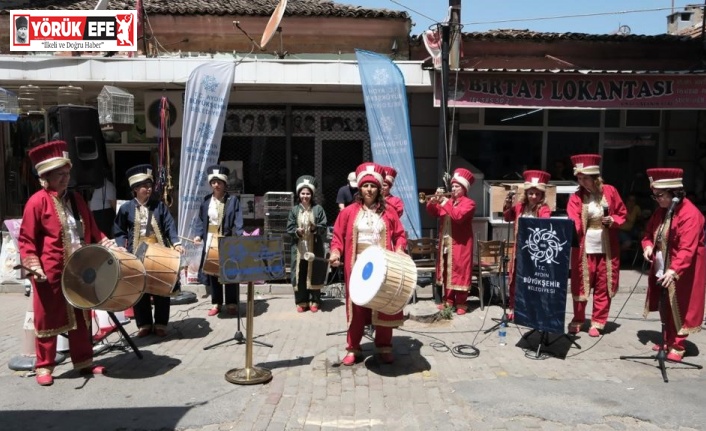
x: 443, y: 108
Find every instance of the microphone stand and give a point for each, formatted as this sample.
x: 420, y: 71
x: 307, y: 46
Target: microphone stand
x: 505, y: 259
x: 661, y: 356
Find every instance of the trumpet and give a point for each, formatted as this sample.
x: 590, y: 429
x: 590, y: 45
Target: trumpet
x: 424, y: 198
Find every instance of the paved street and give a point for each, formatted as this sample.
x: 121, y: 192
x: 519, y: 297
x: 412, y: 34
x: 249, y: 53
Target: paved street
x: 434, y: 384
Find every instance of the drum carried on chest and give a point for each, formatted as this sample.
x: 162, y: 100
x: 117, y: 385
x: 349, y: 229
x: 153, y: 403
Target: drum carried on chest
x: 211, y: 265
x: 382, y: 280
x: 161, y: 268
x: 95, y: 277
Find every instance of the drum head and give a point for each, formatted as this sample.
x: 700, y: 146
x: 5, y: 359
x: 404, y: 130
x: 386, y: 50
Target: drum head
x: 368, y: 275
x: 89, y: 276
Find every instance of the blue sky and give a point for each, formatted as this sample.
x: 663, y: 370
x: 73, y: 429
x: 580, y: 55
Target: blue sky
x: 484, y: 11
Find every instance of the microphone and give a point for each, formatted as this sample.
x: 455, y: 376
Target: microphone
x: 605, y: 210
x: 675, y: 201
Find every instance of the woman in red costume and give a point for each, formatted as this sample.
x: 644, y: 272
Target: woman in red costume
x: 531, y: 204
x: 682, y: 271
x: 597, y: 212
x: 364, y: 223
x: 453, y: 264
x: 391, y: 201
x: 55, y: 223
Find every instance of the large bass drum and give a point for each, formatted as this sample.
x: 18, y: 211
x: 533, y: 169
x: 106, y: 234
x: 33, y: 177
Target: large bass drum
x: 161, y: 268
x: 382, y: 280
x: 98, y: 278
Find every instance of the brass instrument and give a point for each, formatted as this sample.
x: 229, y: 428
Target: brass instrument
x: 307, y: 256
x: 424, y: 198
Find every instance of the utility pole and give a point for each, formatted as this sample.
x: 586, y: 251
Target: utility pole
x: 447, y: 30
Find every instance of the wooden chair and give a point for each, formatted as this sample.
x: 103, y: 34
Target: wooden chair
x: 489, y: 261
x: 423, y: 253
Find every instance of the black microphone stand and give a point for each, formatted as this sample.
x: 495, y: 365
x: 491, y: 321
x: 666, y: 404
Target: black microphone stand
x: 505, y: 259
x: 661, y: 356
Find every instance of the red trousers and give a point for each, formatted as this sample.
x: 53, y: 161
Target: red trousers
x: 457, y: 298
x: 598, y: 279
x: 363, y: 316
x: 80, y: 346
x: 672, y: 340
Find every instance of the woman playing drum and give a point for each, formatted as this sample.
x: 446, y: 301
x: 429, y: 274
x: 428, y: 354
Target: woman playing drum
x: 54, y: 223
x: 364, y: 223
x: 306, y: 224
x: 531, y: 204
x: 145, y: 220
x: 219, y: 215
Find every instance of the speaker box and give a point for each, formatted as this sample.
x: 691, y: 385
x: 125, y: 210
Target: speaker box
x: 79, y: 127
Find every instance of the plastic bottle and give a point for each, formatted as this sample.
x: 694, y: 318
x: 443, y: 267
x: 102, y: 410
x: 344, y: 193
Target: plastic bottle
x: 502, y: 334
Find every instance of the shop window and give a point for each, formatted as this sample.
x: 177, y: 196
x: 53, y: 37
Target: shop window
x: 612, y: 118
x: 501, y: 154
x: 574, y: 118
x: 514, y: 117
x: 642, y: 118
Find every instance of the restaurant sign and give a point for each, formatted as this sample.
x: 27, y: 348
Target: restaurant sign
x: 494, y: 90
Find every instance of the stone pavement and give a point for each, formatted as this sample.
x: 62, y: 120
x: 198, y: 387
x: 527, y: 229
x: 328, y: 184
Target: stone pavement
x: 434, y: 383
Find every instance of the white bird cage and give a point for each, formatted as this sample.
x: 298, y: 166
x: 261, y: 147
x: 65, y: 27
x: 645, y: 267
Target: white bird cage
x: 116, y: 108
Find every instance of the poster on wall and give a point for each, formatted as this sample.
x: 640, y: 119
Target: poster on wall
x: 247, y: 204
x: 235, y: 178
x: 259, y: 207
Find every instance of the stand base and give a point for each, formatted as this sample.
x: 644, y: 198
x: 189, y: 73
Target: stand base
x: 661, y: 359
x: 26, y: 363
x: 248, y: 376
x: 544, y: 342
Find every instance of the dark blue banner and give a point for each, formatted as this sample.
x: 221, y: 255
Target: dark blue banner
x: 542, y: 272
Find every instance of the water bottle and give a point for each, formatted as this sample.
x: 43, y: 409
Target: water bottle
x: 502, y: 334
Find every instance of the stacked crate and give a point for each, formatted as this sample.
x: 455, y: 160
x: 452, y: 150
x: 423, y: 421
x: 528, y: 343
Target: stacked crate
x: 277, y: 207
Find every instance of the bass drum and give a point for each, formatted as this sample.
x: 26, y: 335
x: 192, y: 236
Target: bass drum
x: 161, y: 268
x: 95, y: 277
x: 382, y: 280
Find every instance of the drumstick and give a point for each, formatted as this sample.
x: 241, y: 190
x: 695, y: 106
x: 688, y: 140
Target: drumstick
x: 188, y: 239
x: 34, y: 273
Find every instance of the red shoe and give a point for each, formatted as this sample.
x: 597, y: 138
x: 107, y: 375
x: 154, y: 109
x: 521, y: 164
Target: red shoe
x: 387, y: 358
x: 675, y: 355
x: 349, y: 359
x: 461, y: 311
x: 215, y: 310
x: 93, y: 370
x: 300, y: 309
x: 510, y: 317
x: 440, y: 306
x: 160, y: 332
x: 142, y: 333
x: 593, y: 332
x: 656, y: 347
x: 314, y: 308
x: 45, y: 379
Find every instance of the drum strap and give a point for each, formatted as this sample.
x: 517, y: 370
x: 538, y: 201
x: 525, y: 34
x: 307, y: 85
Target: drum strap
x: 148, y: 228
x: 77, y: 217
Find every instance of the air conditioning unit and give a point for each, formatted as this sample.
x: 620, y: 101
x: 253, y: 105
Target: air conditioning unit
x: 152, y: 112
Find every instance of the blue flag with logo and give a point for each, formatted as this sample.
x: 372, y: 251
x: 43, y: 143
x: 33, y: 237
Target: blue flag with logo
x: 387, y: 112
x: 542, y: 259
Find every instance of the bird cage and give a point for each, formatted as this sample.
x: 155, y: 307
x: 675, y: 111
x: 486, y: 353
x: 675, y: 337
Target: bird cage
x: 116, y: 108
x: 69, y: 95
x: 9, y: 109
x: 29, y: 98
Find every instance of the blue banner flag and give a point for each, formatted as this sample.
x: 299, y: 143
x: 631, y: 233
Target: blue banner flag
x: 542, y: 272
x: 387, y: 112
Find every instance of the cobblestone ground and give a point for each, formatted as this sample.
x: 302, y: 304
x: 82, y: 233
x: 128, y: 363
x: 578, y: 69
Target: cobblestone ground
x: 435, y: 383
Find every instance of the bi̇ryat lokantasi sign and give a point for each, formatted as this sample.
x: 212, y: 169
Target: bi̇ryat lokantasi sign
x: 73, y: 30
